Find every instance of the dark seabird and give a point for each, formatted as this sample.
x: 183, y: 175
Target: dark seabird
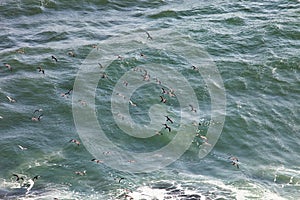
x: 148, y: 36
x: 192, y: 108
x: 41, y: 69
x: 195, y: 68
x: 75, y: 141
x: 100, y: 65
x: 169, y: 119
x: 104, y: 75
x: 162, y: 99
x: 18, y: 177
x: 163, y: 91
x: 97, y: 161
x: 37, y: 110
x: 54, y: 58
x: 67, y: 93
x: 167, y: 127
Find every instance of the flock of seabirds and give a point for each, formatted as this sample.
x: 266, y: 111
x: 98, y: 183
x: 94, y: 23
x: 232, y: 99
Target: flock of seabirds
x: 38, y: 114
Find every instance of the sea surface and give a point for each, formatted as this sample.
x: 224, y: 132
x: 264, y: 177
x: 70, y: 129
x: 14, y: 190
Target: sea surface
x: 253, y: 47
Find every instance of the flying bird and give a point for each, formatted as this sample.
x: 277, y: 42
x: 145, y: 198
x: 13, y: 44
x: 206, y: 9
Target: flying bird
x: 18, y: 177
x: 31, y: 183
x: 71, y: 53
x: 41, y: 69
x: 167, y: 127
x: 75, y: 141
x: 192, y: 108
x: 163, y: 91
x: 8, y: 66
x: 148, y: 36
x: 97, y: 161
x: 11, y: 100
x: 54, y: 58
x: 38, y: 118
x: 234, y: 161
x: 169, y: 119
x: 22, y: 148
x: 67, y: 93
x: 81, y: 173
x: 131, y: 103
x: 162, y: 99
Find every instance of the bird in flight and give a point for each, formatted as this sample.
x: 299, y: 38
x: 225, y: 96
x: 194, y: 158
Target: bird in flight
x: 54, y: 58
x: 41, y: 69
x: 169, y: 119
x: 167, y: 127
x: 149, y: 36
x: 75, y: 141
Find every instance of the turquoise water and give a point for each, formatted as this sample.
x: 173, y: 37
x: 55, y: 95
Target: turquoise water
x: 253, y: 44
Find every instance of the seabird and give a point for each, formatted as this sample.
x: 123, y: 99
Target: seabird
x: 104, y: 75
x: 169, y: 119
x: 18, y: 177
x: 11, y: 100
x: 148, y: 36
x: 34, y: 118
x: 97, y: 161
x: 119, y: 57
x: 167, y: 127
x: 157, y: 81
x: 146, y: 76
x: 71, y: 53
x: 120, y: 179
x: 133, y: 104
x: 106, y: 152
x: 192, y: 108
x: 162, y: 99
x: 171, y: 93
x: 125, y: 83
x: 75, y: 141
x: 54, y: 58
x: 81, y: 173
x: 67, y: 93
x: 234, y: 161
x: 22, y: 148
x: 195, y: 68
x: 21, y: 51
x: 121, y: 95
x: 31, y: 183
x: 100, y: 65
x: 37, y: 110
x: 8, y: 66
x: 163, y: 91
x: 41, y: 69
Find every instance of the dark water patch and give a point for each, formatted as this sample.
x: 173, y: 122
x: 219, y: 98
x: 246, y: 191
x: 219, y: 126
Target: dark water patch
x: 165, y: 14
x: 237, y: 21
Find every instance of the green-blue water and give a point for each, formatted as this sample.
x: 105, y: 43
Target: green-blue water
x: 255, y: 45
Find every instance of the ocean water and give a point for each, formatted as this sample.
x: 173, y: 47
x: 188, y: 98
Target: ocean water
x: 246, y: 96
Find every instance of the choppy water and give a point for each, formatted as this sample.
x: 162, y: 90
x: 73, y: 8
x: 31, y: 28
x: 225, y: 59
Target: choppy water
x: 254, y: 45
